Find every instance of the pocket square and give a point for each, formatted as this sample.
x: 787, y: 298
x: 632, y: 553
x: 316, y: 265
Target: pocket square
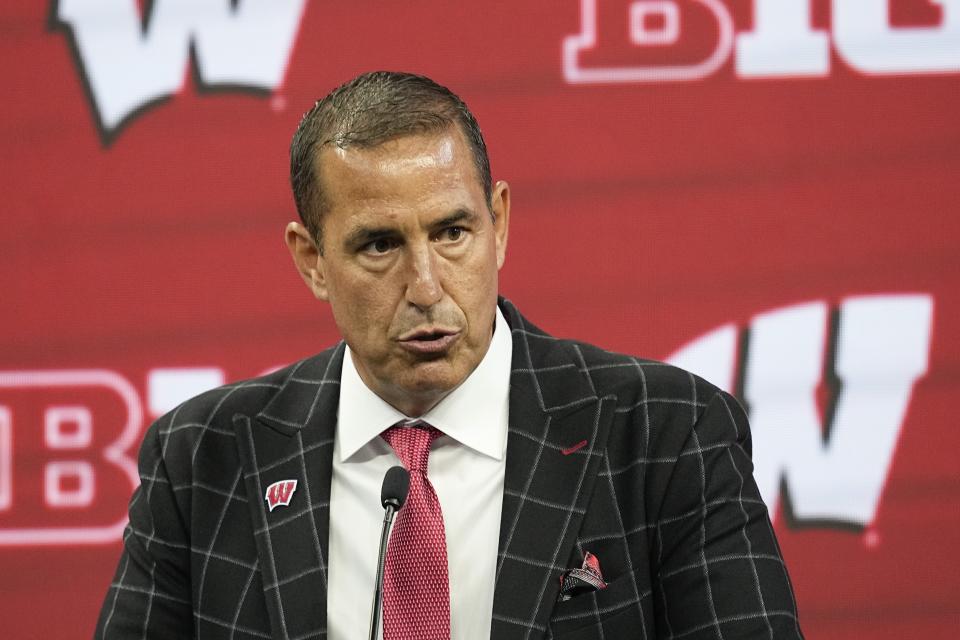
x: 583, y: 580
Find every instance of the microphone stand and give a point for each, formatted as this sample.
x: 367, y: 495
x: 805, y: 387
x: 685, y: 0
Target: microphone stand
x: 393, y: 493
x: 389, y: 512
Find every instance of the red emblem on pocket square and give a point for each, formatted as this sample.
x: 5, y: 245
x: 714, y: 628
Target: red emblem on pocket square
x: 583, y: 580
x: 279, y: 493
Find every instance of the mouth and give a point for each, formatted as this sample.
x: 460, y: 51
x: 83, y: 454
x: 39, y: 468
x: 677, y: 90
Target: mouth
x: 428, y: 341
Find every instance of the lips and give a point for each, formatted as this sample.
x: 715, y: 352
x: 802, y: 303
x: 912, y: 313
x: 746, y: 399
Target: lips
x: 428, y: 341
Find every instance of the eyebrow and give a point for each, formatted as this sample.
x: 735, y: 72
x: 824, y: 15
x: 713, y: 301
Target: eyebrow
x: 365, y: 235
x: 459, y: 215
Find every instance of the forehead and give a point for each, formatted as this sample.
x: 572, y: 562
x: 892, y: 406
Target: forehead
x: 409, y: 171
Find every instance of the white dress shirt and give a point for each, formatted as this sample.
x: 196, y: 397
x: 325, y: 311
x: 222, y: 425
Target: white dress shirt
x: 466, y: 468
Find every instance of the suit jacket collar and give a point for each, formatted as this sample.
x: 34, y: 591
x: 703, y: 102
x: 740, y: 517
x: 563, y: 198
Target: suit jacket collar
x: 557, y: 429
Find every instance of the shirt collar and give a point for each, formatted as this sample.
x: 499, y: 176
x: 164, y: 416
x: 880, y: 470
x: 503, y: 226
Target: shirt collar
x: 474, y: 414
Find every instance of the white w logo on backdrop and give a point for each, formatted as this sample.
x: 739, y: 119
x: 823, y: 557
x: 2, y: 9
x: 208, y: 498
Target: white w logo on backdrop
x: 130, y: 62
x: 875, y: 351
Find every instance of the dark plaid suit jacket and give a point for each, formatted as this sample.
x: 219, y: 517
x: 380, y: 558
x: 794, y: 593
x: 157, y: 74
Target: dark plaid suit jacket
x: 661, y: 492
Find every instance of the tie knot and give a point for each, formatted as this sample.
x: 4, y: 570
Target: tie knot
x: 411, y: 441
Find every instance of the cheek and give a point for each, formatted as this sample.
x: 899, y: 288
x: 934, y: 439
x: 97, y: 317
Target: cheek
x: 361, y: 307
x: 485, y: 273
x: 478, y: 285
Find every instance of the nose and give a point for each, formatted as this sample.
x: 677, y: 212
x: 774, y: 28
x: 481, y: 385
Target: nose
x: 423, y: 284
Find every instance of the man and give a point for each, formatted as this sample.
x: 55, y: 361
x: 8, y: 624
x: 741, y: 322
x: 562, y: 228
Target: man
x: 561, y: 490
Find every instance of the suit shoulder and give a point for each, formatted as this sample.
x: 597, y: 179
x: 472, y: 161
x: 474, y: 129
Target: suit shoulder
x: 660, y: 406
x: 213, y: 410
x: 632, y: 378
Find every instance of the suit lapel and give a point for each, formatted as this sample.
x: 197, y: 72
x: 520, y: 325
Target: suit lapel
x: 292, y: 439
x: 557, y: 429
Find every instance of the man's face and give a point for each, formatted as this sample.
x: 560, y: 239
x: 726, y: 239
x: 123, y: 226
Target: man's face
x: 409, y: 262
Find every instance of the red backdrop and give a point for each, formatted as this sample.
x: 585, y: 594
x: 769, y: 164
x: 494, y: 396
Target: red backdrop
x: 762, y: 190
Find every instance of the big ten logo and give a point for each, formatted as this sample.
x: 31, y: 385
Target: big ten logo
x: 668, y: 40
x: 827, y: 390
x: 65, y: 472
x: 68, y: 441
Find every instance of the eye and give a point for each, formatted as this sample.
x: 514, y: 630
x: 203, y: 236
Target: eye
x: 379, y: 246
x: 452, y: 234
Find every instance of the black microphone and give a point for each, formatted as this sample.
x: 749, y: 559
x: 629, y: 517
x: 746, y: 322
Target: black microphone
x: 396, y: 483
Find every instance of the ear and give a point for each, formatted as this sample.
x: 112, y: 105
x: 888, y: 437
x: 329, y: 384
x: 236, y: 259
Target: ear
x: 500, y: 206
x: 307, y: 258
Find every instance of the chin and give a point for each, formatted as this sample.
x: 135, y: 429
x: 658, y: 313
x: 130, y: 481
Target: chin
x: 432, y: 378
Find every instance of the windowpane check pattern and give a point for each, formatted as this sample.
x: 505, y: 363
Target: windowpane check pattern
x: 661, y: 493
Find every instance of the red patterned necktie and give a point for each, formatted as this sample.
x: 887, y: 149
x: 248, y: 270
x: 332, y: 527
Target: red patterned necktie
x: 416, y: 587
